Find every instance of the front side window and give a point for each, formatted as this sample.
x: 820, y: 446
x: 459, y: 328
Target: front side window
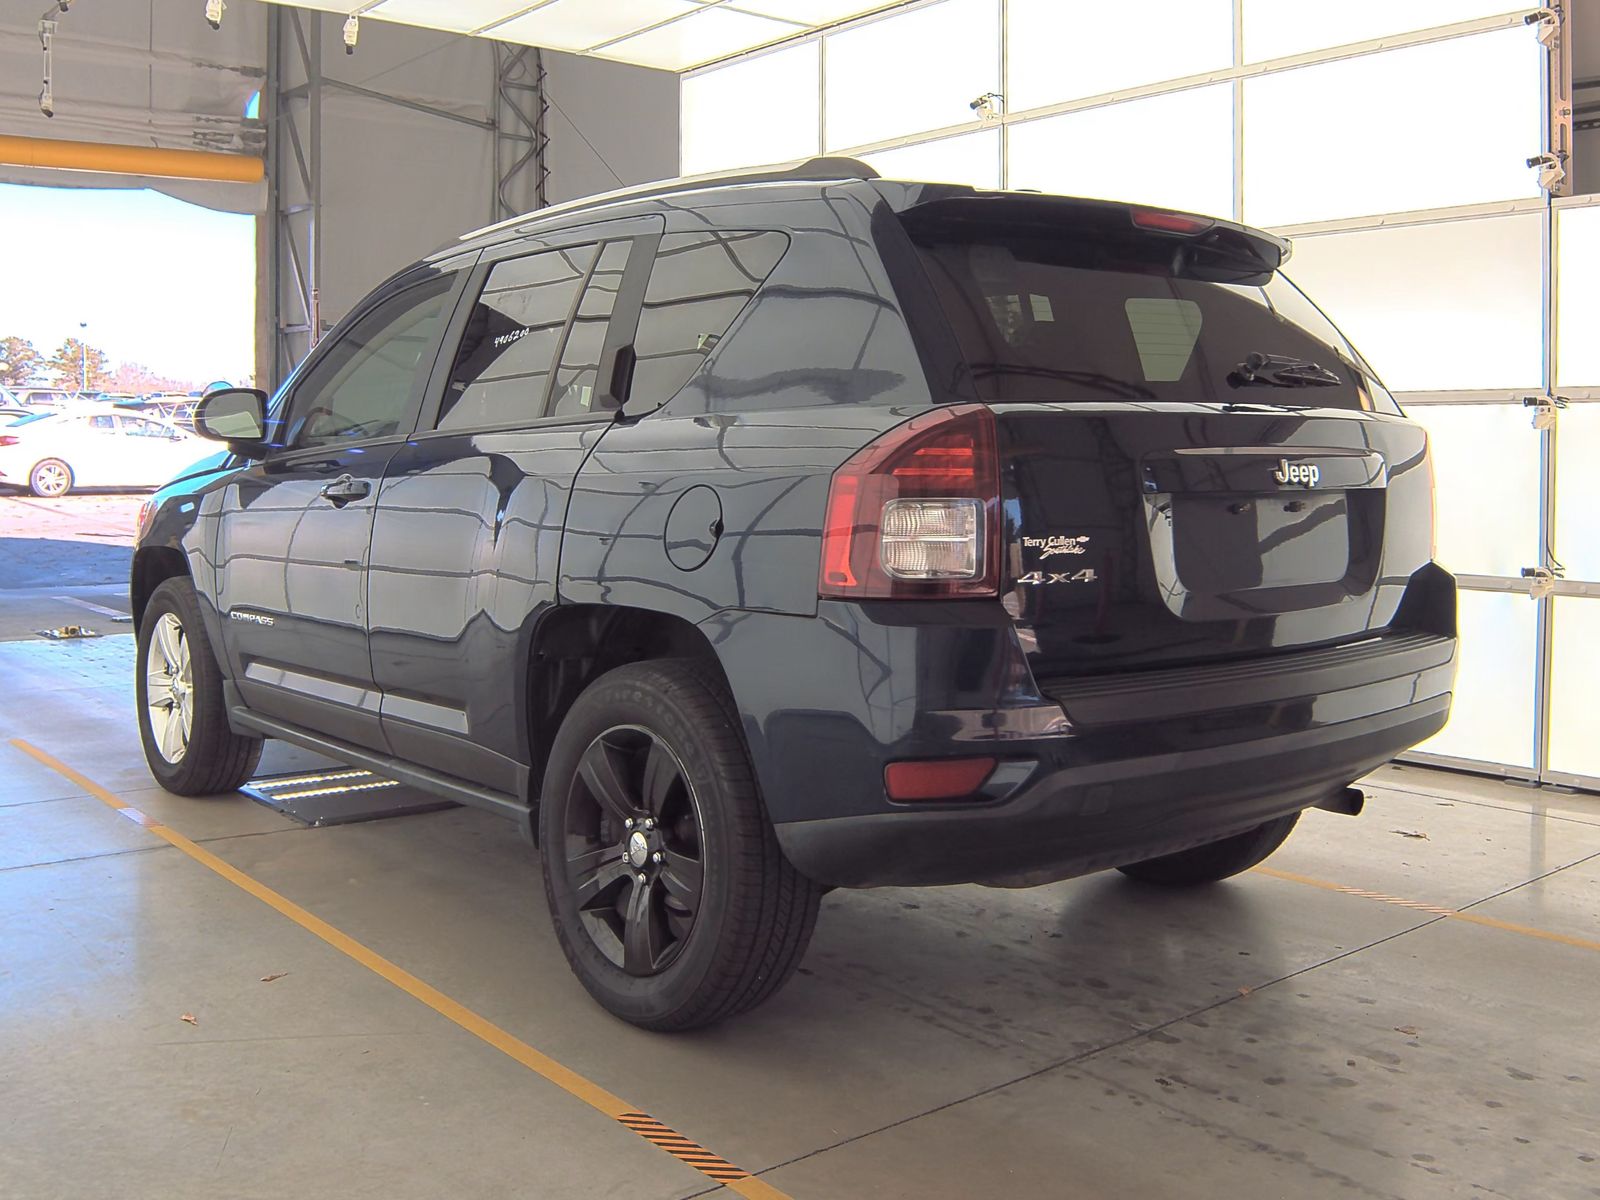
x: 699, y: 283
x: 363, y: 385
x: 513, y: 333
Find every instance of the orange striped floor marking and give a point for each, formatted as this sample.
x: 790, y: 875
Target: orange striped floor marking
x: 1471, y: 918
x: 596, y: 1097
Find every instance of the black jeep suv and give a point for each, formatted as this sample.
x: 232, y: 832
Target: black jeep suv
x: 748, y: 537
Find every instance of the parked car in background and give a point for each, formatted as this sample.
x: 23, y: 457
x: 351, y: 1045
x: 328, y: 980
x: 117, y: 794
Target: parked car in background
x: 177, y: 409
x: 52, y: 453
x: 43, y: 397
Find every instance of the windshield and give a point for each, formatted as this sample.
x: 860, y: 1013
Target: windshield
x: 1046, y: 314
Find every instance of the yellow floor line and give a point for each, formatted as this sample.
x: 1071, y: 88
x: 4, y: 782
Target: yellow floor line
x: 1471, y: 918
x: 541, y: 1064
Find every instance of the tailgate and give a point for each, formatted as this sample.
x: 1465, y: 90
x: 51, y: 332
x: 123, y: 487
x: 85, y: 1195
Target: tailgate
x: 1196, y: 464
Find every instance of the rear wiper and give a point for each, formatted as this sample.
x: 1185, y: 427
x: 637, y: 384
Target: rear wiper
x: 1272, y: 370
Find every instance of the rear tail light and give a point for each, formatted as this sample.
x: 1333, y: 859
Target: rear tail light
x: 6, y: 440
x: 916, y: 513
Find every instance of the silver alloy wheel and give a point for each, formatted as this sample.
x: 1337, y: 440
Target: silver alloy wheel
x: 52, y: 478
x: 169, y: 688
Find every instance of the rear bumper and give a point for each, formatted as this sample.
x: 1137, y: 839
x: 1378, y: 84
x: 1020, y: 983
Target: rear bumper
x: 1068, y: 820
x: 1092, y: 774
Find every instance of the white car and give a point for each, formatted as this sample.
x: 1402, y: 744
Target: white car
x: 52, y: 453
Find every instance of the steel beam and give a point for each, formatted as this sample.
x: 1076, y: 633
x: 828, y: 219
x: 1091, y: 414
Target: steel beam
x: 521, y: 138
x: 294, y: 181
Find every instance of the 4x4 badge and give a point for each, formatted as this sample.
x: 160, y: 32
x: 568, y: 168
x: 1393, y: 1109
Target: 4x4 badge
x: 1304, y: 475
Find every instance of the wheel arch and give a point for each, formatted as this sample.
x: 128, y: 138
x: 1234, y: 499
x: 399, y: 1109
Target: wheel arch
x: 575, y: 644
x: 152, y: 566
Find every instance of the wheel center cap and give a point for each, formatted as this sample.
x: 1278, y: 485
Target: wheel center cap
x: 638, y: 849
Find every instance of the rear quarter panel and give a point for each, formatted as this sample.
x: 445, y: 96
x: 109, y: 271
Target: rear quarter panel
x: 819, y: 363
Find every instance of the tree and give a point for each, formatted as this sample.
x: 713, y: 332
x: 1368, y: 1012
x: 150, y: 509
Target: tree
x: 20, y: 359
x: 140, y: 379
x: 68, y: 365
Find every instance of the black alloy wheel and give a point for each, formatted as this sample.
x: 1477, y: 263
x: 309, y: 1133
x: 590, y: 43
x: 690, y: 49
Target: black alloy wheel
x: 633, y: 849
x: 670, y: 896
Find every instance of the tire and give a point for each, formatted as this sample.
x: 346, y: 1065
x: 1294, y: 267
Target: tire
x: 50, y: 478
x: 195, y: 753
x: 1215, y: 860
x: 665, y: 955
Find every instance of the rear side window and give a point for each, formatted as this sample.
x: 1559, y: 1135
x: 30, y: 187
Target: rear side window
x: 513, y: 334
x: 577, y: 375
x: 1047, y: 315
x: 697, y: 286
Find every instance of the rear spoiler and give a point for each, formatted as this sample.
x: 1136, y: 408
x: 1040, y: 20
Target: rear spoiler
x: 1224, y: 245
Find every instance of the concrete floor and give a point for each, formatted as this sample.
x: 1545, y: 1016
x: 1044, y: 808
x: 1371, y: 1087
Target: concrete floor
x: 1266, y: 1037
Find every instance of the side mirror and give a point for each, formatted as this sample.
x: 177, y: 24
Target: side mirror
x: 237, y: 416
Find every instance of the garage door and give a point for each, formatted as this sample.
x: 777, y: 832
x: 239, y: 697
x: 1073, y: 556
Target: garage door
x: 1400, y: 146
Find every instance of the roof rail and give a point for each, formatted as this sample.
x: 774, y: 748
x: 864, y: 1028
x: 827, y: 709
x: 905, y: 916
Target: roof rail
x: 821, y: 168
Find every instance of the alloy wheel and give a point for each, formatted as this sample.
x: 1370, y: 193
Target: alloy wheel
x: 169, y: 687
x: 634, y: 849
x: 51, y: 479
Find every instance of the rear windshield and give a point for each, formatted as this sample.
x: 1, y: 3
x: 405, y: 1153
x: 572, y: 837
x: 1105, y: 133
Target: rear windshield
x: 1043, y: 314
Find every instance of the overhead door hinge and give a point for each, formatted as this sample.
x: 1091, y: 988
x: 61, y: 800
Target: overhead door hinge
x: 1542, y: 580
x: 1544, y: 409
x: 1548, y: 21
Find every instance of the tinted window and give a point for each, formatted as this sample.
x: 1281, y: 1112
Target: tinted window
x: 362, y: 386
x: 1053, y: 316
x: 578, y: 375
x: 699, y: 283
x: 511, y: 339
x: 139, y: 427
x: 104, y: 422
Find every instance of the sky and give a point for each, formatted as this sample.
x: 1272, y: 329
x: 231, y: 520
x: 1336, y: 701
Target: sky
x: 162, y: 283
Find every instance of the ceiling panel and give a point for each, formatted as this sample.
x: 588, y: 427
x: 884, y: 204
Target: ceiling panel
x: 710, y: 34
x: 459, y: 16
x: 808, y: 12
x: 674, y: 35
x: 583, y: 24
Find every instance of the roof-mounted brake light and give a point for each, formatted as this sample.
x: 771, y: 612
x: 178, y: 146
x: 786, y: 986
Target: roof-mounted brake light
x: 1170, y: 222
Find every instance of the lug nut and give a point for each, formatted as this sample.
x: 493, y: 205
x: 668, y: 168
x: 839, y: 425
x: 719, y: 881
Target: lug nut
x: 628, y: 824
x: 649, y: 823
x: 642, y: 877
x: 656, y: 857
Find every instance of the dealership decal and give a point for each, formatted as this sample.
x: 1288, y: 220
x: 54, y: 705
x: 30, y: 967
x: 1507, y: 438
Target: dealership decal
x: 1056, y: 543
x: 505, y: 339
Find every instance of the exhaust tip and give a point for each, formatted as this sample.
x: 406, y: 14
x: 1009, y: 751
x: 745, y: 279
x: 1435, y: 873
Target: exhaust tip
x: 1347, y: 801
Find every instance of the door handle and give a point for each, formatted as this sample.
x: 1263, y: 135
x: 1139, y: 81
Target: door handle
x: 345, y: 489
